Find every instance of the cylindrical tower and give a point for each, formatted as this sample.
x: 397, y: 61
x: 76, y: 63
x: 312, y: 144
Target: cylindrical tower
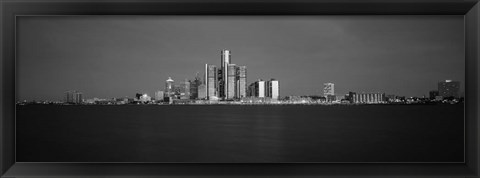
x: 169, y: 86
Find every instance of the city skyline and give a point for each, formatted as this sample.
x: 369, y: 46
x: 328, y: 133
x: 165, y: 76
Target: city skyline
x: 407, y: 60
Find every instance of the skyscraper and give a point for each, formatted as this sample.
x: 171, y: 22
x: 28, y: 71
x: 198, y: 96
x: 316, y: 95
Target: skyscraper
x: 257, y: 89
x: 231, y: 81
x: 449, y: 88
x: 202, y: 91
x: 185, y: 89
x: 169, y: 87
x: 272, y: 89
x: 328, y: 89
x: 194, y: 87
x: 159, y: 96
x: 225, y: 61
x: 241, y: 82
x: 211, y: 81
x: 227, y: 82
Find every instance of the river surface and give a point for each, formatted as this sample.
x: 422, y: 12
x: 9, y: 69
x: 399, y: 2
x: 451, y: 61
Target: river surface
x: 246, y: 134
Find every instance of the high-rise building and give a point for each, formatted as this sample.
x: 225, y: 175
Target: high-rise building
x: 185, y: 89
x: 177, y: 89
x: 231, y: 82
x: 194, y: 87
x: 226, y: 82
x: 272, y: 89
x: 220, y: 84
x: 169, y: 87
x: 241, y: 82
x: 328, y: 89
x: 257, y: 89
x: 261, y: 89
x: 211, y: 81
x: 202, y: 91
x: 225, y: 61
x: 159, y: 95
x: 78, y: 97
x: 73, y: 96
x: 449, y: 88
x: 68, y: 97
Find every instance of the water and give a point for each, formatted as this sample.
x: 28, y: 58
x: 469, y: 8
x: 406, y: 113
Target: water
x: 250, y: 134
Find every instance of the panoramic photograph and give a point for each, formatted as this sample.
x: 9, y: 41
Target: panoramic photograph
x: 240, y: 89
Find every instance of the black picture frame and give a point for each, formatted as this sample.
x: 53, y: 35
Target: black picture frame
x: 12, y: 8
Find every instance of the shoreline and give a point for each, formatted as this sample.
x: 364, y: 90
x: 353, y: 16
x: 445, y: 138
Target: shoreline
x: 249, y: 104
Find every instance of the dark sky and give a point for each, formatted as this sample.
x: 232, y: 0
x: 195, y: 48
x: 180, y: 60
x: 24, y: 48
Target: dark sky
x: 117, y: 56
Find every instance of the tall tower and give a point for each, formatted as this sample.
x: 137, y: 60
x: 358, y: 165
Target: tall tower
x: 225, y: 61
x: 169, y: 87
x: 241, y: 82
x: 211, y: 81
x: 231, y: 81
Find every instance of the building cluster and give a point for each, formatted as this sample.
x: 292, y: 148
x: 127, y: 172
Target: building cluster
x: 264, y: 89
x: 448, y: 92
x: 227, y: 83
x: 265, y: 92
x: 73, y: 97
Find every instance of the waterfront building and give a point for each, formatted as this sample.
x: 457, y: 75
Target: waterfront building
x: 231, y: 82
x: 176, y: 90
x: 272, y: 89
x: 257, y: 89
x: 433, y: 94
x: 169, y: 87
x: 184, y: 90
x: 250, y: 90
x: 211, y: 81
x: 78, y: 97
x: 331, y: 98
x: 194, y: 87
x: 260, y: 89
x: 159, y: 95
x: 73, y: 96
x: 225, y: 61
x: 449, y: 88
x: 202, y: 91
x: 68, y: 97
x: 367, y: 97
x: 226, y: 82
x: 328, y: 89
x: 241, y: 82
x: 220, y: 83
